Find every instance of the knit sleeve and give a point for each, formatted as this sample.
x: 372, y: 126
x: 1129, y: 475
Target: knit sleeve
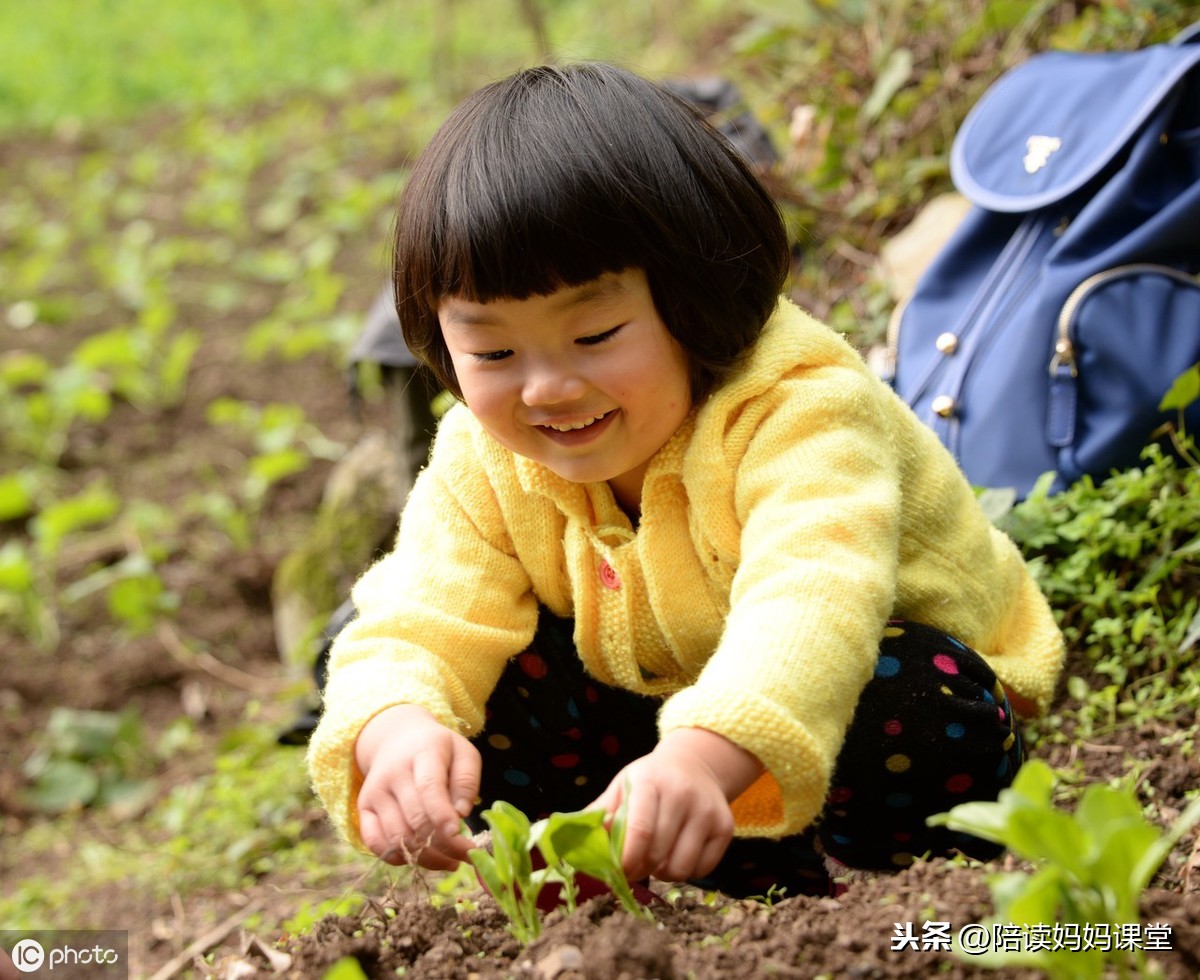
x: 437, y: 619
x: 817, y: 499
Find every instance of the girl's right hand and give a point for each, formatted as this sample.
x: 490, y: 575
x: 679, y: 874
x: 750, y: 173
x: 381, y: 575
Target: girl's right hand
x: 419, y: 780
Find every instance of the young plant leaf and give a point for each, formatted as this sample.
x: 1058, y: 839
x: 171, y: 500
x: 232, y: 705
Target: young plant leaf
x: 1183, y: 391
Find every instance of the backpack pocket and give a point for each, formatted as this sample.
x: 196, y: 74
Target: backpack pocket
x: 1124, y: 336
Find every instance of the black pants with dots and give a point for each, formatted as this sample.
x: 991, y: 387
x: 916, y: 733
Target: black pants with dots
x: 932, y: 729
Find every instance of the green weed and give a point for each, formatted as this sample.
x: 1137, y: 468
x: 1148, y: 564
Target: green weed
x: 1119, y: 562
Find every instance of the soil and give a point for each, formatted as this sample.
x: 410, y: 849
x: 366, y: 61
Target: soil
x: 849, y: 936
x: 705, y: 937
x: 227, y: 613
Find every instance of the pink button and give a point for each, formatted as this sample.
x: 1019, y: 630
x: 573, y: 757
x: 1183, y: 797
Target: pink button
x: 609, y: 576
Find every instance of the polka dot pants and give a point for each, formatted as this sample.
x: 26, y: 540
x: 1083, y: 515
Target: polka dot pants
x: 932, y: 729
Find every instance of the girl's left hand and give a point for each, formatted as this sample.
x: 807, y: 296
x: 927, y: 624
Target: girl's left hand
x: 678, y: 821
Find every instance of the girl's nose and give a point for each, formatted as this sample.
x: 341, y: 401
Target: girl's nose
x: 552, y: 384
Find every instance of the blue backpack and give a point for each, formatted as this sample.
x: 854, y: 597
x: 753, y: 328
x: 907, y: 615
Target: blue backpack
x: 1047, y: 330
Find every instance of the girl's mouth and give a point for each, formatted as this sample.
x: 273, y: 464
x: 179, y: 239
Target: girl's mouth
x: 570, y: 433
x: 574, y: 426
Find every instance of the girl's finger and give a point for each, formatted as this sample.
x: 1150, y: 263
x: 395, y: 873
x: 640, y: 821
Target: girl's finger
x: 670, y: 832
x: 381, y: 824
x: 710, y: 855
x: 466, y: 768
x: 641, y: 824
x: 433, y: 812
x: 372, y: 834
x: 681, y: 857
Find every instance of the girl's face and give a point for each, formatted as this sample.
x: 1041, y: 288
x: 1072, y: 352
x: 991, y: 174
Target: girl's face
x: 586, y: 380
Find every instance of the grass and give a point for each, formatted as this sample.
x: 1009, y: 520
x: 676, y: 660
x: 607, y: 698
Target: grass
x: 64, y: 63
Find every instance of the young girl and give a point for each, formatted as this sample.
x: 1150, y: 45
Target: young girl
x: 676, y: 543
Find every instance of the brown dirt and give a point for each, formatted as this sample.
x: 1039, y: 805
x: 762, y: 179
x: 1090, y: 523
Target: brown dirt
x: 801, y: 937
x: 226, y: 612
x: 849, y: 936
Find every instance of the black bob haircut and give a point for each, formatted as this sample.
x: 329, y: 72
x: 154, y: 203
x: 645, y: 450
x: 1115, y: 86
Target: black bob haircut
x: 556, y: 176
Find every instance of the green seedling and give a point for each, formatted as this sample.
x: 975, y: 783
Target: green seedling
x: 29, y: 596
x: 1091, y: 866
x: 570, y: 844
x: 347, y: 968
x: 580, y: 843
x: 140, y: 364
x: 88, y: 758
x: 507, y: 871
x: 285, y: 443
x: 21, y: 602
x: 39, y: 404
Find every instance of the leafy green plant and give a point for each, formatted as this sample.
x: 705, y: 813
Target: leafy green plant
x: 17, y: 494
x: 136, y: 595
x: 582, y: 842
x: 1119, y: 562
x: 285, y: 443
x: 309, y: 912
x: 507, y: 869
x: 346, y: 968
x: 40, y: 403
x: 21, y: 602
x: 1183, y: 393
x: 1091, y: 866
x: 142, y: 366
x: 247, y: 817
x: 88, y: 758
x: 29, y: 597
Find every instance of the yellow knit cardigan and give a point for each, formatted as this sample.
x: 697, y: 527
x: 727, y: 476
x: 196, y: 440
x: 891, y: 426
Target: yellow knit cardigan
x: 795, y: 510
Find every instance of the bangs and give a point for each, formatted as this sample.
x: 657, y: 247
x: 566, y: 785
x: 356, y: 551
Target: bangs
x: 556, y: 176
x: 547, y: 183
x: 542, y: 219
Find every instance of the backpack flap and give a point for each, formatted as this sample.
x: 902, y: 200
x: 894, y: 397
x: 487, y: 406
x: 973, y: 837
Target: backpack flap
x: 1049, y: 126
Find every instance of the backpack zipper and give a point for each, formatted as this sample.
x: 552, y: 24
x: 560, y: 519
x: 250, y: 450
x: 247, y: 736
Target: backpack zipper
x: 993, y: 292
x: 1064, y: 346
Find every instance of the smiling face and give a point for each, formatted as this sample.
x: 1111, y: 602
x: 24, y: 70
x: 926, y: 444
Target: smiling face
x: 585, y: 380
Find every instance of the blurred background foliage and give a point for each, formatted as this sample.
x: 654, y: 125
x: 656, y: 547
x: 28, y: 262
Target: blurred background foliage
x: 861, y: 96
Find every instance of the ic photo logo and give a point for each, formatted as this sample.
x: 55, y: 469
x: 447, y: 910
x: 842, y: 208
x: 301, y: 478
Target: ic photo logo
x: 78, y: 954
x: 28, y: 955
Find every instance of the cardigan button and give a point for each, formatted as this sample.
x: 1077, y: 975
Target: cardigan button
x: 609, y: 576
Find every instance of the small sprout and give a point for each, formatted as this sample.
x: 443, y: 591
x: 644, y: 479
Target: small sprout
x: 571, y: 844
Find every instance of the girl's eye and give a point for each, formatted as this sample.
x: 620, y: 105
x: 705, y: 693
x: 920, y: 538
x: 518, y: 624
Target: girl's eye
x: 598, y: 338
x: 492, y: 355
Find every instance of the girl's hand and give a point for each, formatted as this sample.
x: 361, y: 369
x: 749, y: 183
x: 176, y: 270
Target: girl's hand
x: 419, y: 780
x: 678, y: 822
